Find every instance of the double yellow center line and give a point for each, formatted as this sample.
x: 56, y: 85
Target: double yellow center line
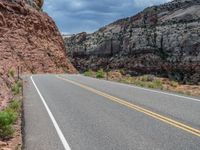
x: 138, y: 108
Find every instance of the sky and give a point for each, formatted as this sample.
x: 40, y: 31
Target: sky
x: 75, y: 16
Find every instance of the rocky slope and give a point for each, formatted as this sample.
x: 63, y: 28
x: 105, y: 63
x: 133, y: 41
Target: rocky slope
x: 162, y: 40
x: 29, y: 40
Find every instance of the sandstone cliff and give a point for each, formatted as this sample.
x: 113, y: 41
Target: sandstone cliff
x: 29, y: 39
x: 162, y: 40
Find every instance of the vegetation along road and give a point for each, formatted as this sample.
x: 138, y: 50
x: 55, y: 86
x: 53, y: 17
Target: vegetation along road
x: 64, y: 112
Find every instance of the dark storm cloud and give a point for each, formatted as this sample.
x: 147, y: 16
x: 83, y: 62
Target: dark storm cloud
x: 73, y: 16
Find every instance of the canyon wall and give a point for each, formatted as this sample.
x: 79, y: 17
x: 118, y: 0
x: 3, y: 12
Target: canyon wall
x: 162, y: 40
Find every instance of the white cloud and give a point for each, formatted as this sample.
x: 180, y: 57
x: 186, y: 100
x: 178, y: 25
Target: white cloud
x: 74, y: 16
x: 146, y: 3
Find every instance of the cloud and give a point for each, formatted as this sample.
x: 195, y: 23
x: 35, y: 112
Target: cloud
x: 147, y: 3
x: 73, y: 16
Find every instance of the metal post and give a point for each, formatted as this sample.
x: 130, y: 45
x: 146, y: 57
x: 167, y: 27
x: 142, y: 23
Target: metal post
x: 107, y: 69
x: 21, y: 71
x: 106, y: 75
x: 18, y: 72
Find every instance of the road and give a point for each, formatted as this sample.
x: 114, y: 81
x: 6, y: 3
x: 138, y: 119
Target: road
x: 64, y: 112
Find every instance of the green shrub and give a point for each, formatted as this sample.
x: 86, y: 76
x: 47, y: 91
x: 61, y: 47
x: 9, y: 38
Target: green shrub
x: 138, y: 83
x: 17, y: 87
x: 152, y: 85
x: 15, y: 105
x: 89, y: 73
x: 11, y: 73
x: 7, y: 118
x: 147, y: 78
x: 6, y: 131
x: 144, y: 78
x: 12, y: 113
x: 125, y: 80
x: 158, y: 84
x: 100, y: 74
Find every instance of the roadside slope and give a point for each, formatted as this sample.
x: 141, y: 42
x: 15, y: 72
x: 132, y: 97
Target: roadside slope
x: 29, y: 40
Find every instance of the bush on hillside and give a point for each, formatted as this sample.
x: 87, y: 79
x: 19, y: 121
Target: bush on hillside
x: 17, y: 87
x: 7, y: 118
x: 100, y: 74
x: 89, y: 73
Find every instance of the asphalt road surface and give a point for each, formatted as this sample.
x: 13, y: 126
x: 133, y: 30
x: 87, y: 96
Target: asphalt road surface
x: 64, y: 112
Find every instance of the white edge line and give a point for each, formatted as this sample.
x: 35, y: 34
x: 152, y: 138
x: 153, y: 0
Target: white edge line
x: 149, y: 90
x: 59, y: 132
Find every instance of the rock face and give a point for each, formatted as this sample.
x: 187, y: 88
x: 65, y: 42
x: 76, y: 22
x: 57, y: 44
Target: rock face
x: 35, y: 3
x: 29, y: 39
x: 162, y: 40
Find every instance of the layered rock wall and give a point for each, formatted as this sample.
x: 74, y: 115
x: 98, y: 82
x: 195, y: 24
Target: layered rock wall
x: 162, y: 40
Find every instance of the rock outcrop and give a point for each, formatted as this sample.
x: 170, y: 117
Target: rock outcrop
x: 29, y: 40
x: 35, y: 3
x: 162, y: 40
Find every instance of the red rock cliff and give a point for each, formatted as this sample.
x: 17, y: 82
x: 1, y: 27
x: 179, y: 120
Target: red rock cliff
x: 28, y: 39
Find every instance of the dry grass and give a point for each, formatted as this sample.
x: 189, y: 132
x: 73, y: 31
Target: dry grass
x: 149, y: 81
